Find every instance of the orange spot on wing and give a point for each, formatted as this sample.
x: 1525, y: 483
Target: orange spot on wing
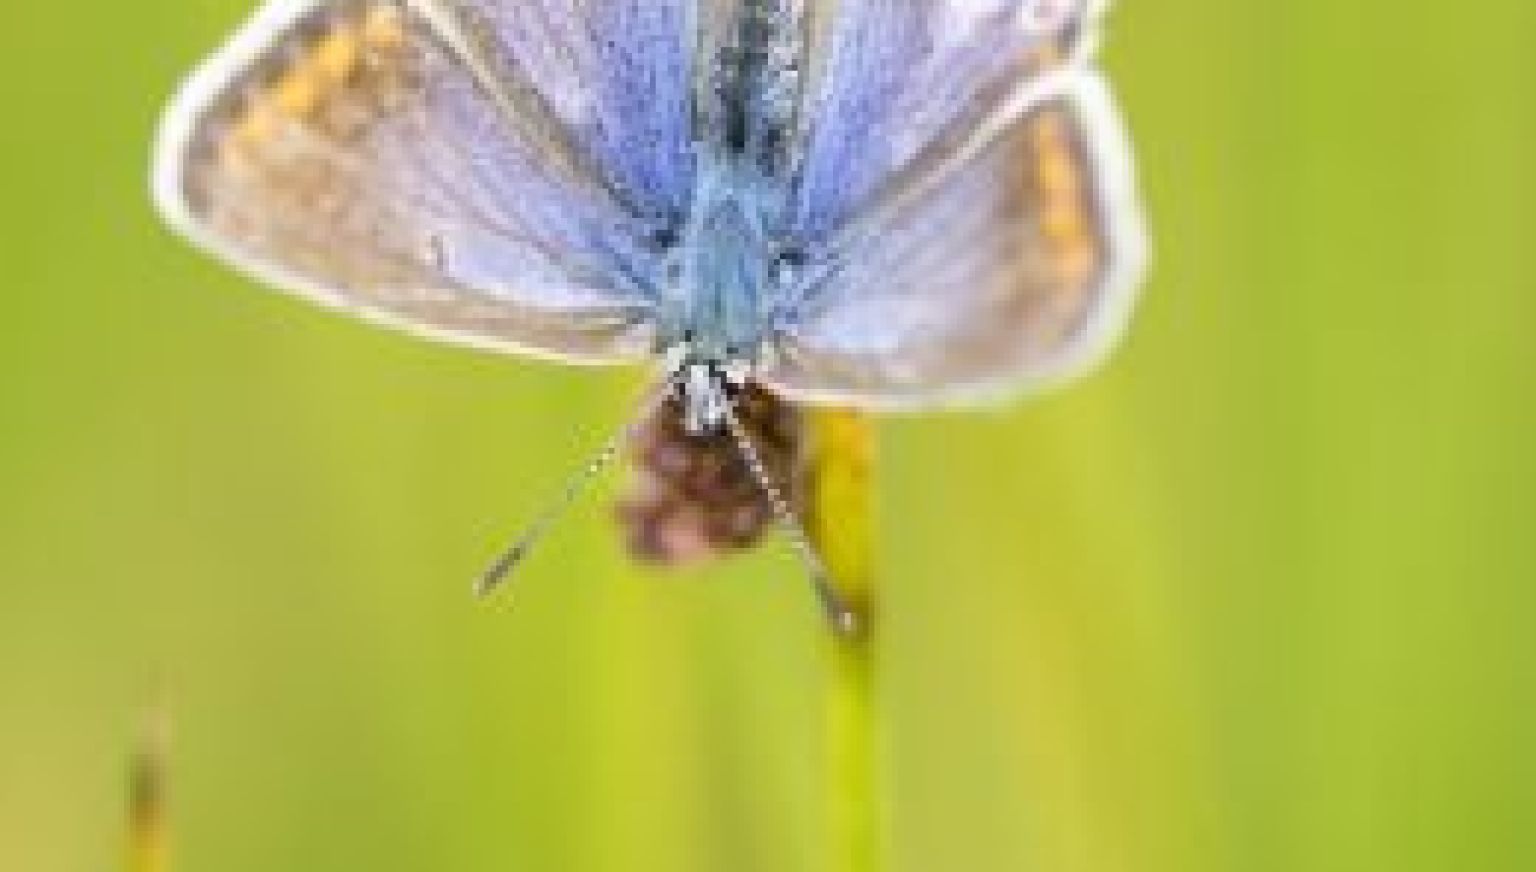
x: 1078, y: 263
x: 336, y: 56
x: 324, y: 67
x: 1056, y: 172
x: 297, y: 94
x: 384, y: 29
x: 258, y: 123
x: 1062, y: 185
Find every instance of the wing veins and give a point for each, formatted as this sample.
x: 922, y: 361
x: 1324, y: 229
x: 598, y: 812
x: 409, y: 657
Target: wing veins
x: 464, y: 37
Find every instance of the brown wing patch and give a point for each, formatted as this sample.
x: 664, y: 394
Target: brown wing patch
x: 1065, y: 219
x: 285, y: 163
x: 1066, y: 237
x: 337, y: 74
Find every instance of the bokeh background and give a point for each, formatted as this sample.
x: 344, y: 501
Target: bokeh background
x: 1259, y: 596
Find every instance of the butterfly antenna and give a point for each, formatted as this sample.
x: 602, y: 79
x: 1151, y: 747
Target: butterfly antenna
x: 844, y: 618
x: 509, y: 559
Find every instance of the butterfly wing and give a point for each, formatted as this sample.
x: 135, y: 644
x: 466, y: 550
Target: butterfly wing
x: 477, y: 171
x: 894, y: 85
x: 1014, y: 265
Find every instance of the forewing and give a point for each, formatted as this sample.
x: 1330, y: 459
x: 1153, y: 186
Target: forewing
x: 425, y: 164
x: 616, y: 74
x: 896, y: 85
x: 1016, y: 269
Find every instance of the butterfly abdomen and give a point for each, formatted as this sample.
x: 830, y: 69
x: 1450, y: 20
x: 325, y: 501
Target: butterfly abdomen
x: 694, y: 497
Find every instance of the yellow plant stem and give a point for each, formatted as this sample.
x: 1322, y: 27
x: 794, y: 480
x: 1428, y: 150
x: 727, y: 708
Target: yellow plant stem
x: 147, y: 848
x: 840, y: 519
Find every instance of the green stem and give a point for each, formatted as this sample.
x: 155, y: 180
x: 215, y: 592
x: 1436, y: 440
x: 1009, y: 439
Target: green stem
x: 852, y: 791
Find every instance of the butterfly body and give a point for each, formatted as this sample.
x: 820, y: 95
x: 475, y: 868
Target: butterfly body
x: 730, y: 270
x: 883, y: 205
x: 877, y: 204
x: 724, y: 275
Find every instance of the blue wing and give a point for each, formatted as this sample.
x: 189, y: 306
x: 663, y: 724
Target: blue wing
x: 896, y: 84
x: 617, y: 75
x: 1013, y: 266
x: 493, y: 173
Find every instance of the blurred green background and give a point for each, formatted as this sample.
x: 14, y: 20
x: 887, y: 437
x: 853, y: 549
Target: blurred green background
x: 1258, y: 596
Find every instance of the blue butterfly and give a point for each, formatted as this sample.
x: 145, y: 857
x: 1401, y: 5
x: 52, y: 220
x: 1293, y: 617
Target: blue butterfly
x: 885, y: 204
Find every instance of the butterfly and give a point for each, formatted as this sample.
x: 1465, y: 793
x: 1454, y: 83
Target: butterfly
x: 874, y: 204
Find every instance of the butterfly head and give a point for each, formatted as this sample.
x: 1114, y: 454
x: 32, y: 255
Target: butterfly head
x: 706, y: 383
